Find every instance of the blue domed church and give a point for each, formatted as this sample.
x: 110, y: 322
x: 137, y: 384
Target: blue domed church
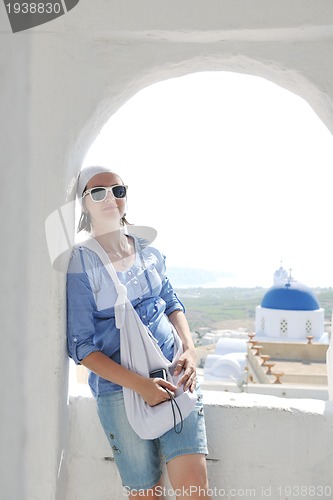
x: 289, y: 311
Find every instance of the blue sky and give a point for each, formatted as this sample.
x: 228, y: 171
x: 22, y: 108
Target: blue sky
x: 233, y: 171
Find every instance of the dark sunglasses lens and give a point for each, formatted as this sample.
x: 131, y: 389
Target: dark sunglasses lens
x: 119, y: 191
x: 98, y: 194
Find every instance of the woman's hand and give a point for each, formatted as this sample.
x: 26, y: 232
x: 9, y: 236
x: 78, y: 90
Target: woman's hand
x: 187, y: 362
x: 153, y: 392
x: 151, y: 389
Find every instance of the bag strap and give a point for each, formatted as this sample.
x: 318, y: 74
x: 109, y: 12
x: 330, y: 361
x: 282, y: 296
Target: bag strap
x: 121, y: 289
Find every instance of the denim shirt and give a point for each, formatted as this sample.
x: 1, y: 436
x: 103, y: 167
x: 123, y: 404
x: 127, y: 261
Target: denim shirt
x: 91, y: 296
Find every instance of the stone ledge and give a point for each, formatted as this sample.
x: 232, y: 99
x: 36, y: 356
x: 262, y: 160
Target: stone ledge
x: 256, y: 443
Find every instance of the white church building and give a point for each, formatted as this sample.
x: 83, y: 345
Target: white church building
x: 290, y: 312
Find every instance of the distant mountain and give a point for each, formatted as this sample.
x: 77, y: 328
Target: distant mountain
x: 188, y: 276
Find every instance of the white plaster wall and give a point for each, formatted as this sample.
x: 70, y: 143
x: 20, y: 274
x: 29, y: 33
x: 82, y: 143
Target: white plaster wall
x: 296, y: 323
x: 14, y: 147
x: 255, y: 442
x: 60, y: 84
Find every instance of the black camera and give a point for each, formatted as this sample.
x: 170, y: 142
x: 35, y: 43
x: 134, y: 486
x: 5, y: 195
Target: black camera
x: 161, y: 373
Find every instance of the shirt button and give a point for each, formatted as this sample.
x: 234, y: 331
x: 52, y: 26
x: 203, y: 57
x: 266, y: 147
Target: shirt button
x: 135, y: 282
x: 144, y: 316
x: 75, y: 339
x: 129, y: 272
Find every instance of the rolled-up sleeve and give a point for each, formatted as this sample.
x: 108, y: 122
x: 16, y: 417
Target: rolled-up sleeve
x: 80, y: 319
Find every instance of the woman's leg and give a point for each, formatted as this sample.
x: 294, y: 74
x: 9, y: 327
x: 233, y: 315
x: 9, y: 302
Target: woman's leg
x: 137, y: 459
x: 188, y: 476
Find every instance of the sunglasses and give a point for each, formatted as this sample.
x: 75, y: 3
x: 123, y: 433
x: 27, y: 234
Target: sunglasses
x: 100, y: 193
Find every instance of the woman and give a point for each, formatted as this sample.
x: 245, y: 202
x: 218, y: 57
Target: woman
x: 93, y: 341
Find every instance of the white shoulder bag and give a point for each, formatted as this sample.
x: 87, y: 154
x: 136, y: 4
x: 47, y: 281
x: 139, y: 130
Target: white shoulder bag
x: 141, y: 354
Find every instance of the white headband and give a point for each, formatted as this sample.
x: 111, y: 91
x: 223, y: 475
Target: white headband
x: 86, y: 174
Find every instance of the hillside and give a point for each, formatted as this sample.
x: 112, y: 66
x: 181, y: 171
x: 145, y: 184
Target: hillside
x: 232, y: 307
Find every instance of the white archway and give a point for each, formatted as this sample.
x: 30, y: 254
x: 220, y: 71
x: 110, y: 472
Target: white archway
x: 284, y: 76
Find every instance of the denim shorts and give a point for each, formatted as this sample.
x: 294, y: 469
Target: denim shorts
x: 139, y: 460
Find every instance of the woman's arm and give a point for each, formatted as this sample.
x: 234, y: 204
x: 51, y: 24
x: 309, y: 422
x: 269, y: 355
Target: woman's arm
x: 188, y: 360
x: 151, y: 390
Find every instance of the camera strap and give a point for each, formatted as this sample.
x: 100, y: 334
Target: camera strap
x: 174, y: 404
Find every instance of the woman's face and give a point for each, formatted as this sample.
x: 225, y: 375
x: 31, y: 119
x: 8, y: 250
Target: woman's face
x: 112, y: 209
